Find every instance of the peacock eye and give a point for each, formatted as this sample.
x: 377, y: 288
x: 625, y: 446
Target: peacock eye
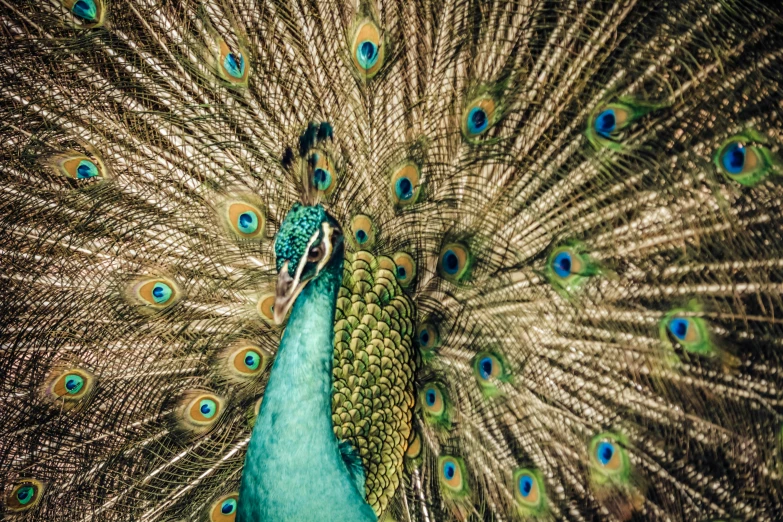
x: 433, y: 401
x: 201, y: 410
x: 744, y: 160
x: 427, y: 336
x: 690, y: 332
x: 232, y: 65
x: 90, y: 11
x: 478, y: 117
x: 454, y: 262
x: 567, y: 268
x: 247, y: 361
x: 161, y: 292
x: 565, y: 262
x: 607, y: 124
x: 608, y: 457
x: 452, y: 475
x: 406, y: 268
x: 367, y: 54
x: 405, y: 185
x: 611, y: 120
x: 490, y: 370
x: 363, y: 232
x: 529, y: 492
x: 367, y: 49
x: 224, y: 509
x: 207, y: 408
x: 322, y: 172
x: 605, y: 452
x: 228, y: 507
x: 85, y: 9
x: 244, y: 220
x: 488, y: 367
x: 80, y: 167
x: 71, y: 385
x: 156, y: 293
x: 86, y: 169
x: 25, y: 495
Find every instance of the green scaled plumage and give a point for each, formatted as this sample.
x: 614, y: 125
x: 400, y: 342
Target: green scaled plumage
x: 560, y: 297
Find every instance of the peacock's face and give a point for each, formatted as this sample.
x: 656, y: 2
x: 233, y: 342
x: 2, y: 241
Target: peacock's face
x: 307, y: 240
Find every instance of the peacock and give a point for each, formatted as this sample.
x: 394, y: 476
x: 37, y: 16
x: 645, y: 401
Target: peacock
x: 389, y: 260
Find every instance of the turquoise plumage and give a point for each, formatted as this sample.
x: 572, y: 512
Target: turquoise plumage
x: 368, y: 260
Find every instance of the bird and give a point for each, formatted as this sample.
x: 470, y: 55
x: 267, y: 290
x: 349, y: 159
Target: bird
x: 358, y: 260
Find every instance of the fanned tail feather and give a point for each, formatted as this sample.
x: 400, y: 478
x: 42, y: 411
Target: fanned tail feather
x: 584, y: 198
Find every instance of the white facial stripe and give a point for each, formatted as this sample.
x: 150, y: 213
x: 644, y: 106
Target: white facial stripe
x: 327, y: 228
x: 303, y: 260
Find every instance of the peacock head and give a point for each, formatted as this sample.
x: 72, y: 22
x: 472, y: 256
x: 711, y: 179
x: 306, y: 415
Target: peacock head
x: 309, y: 239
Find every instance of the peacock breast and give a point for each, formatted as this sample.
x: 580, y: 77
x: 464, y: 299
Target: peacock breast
x: 374, y: 369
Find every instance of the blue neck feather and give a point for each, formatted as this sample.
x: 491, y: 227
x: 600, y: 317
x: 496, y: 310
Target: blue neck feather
x: 294, y: 471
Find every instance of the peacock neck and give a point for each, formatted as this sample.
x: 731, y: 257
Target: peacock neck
x: 294, y: 470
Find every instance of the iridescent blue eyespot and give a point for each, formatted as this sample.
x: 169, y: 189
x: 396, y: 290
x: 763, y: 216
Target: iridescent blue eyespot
x: 86, y: 169
x: 428, y: 338
x: 73, y: 383
x: 85, y: 9
x: 450, y: 262
x: 25, y: 494
x: 247, y: 222
x: 234, y: 64
x: 562, y: 264
x: 252, y: 360
x: 322, y: 179
x: 478, y: 116
x: 525, y: 485
x: 454, y: 262
x: 405, y: 184
x: 362, y: 231
x: 733, y: 158
x: 404, y: 188
x: 745, y: 158
x: 161, y: 292
x: 477, y: 120
x: 200, y: 411
x: 367, y: 49
x: 430, y: 397
x: 605, y: 452
x: 485, y: 367
x: 606, y: 123
x: 679, y: 328
x: 228, y: 507
x: 367, y: 54
x: 452, y: 476
x: 490, y: 372
x: 207, y: 407
x: 433, y: 403
x: 224, y: 508
x: 406, y: 268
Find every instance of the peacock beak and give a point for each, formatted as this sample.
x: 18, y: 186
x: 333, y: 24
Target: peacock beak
x: 288, y: 289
